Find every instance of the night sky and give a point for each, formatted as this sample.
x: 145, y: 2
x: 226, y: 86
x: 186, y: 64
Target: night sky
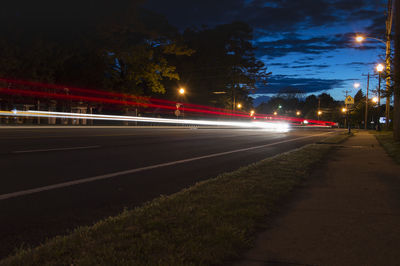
x: 306, y: 44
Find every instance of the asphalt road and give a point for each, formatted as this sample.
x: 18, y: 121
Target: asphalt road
x: 53, y: 180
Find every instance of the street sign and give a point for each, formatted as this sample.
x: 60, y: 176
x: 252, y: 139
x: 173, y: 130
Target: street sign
x: 349, y: 100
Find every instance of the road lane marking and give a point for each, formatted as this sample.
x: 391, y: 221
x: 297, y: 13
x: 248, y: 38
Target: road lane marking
x: 57, y: 149
x: 136, y: 170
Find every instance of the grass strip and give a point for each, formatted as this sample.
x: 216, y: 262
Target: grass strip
x: 385, y: 138
x: 209, y: 223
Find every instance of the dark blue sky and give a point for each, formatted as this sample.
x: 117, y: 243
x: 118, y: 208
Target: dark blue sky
x: 306, y: 44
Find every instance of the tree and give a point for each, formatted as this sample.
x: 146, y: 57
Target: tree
x: 121, y: 47
x: 224, y: 62
x: 138, y: 49
x: 310, y: 107
x: 358, y: 112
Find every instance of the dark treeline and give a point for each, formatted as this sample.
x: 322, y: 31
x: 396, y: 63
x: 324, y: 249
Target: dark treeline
x: 125, y: 48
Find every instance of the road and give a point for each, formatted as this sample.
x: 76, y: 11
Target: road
x: 55, y: 179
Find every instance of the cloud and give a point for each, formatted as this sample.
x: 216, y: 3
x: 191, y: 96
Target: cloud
x: 273, y: 16
x: 317, y: 66
x: 277, y: 83
x: 297, y: 65
x: 314, y: 45
x: 356, y: 64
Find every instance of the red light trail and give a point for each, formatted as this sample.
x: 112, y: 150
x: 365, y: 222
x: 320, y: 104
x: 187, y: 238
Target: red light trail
x: 130, y: 100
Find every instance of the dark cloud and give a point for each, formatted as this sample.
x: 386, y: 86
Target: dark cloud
x: 377, y: 28
x: 278, y: 83
x: 315, y: 45
x: 304, y: 60
x: 356, y: 64
x: 279, y: 64
x: 273, y: 16
x: 295, y: 65
x: 317, y: 66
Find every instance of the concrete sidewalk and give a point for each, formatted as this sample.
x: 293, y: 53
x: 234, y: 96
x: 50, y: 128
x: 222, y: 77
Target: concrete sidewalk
x: 347, y: 214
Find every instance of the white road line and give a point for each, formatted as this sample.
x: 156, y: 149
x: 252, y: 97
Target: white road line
x: 58, y: 149
x: 131, y: 171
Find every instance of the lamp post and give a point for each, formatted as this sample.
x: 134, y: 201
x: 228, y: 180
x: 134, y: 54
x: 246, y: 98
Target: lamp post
x: 375, y: 101
x: 366, y: 106
x: 181, y: 92
x: 344, y: 111
x: 379, y: 68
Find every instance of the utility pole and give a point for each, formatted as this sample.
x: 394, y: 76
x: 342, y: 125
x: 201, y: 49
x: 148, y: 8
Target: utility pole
x: 396, y: 115
x: 389, y: 19
x: 366, y: 105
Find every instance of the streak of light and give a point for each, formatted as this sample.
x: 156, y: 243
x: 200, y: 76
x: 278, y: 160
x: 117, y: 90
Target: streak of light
x: 110, y: 101
x: 272, y: 126
x: 126, y: 99
x: 167, y: 107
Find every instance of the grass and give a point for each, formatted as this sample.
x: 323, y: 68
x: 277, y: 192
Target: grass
x: 209, y: 223
x: 385, y: 138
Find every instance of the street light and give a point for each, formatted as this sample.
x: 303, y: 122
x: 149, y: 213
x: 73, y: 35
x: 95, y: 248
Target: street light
x: 252, y: 112
x: 275, y: 113
x: 344, y: 111
x: 319, y: 113
x: 298, y: 113
x: 361, y: 38
x: 239, y: 106
x: 379, y: 68
x: 181, y: 92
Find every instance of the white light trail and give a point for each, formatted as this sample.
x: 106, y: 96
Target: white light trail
x: 272, y: 126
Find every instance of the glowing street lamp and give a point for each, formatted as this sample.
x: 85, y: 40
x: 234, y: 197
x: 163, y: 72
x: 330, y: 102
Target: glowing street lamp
x: 360, y: 38
x: 181, y: 91
x: 251, y: 112
x: 239, y: 106
x: 298, y: 113
x: 379, y: 68
x: 344, y: 110
x: 275, y: 113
